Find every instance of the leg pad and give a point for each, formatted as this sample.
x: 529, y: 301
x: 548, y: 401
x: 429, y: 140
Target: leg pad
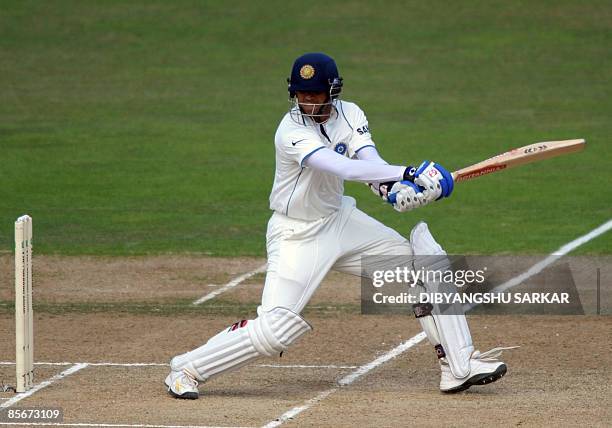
x: 269, y: 334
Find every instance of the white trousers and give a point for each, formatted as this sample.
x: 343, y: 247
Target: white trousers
x: 301, y: 253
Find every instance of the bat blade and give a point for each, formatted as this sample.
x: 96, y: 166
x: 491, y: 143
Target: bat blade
x: 520, y: 156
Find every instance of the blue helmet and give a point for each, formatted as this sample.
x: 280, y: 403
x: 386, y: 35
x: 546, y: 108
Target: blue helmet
x: 315, y: 72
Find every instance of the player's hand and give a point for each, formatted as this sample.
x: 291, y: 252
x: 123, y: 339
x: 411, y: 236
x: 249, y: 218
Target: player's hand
x: 406, y: 195
x: 437, y: 182
x: 382, y: 189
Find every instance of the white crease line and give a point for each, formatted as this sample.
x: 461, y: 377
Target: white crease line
x: 234, y: 282
x: 403, y: 347
x: 543, y: 264
x: 348, y: 379
x: 66, y: 363
x: 43, y: 384
x: 290, y: 414
x: 92, y: 424
x: 109, y: 364
x: 305, y: 366
x: 366, y: 368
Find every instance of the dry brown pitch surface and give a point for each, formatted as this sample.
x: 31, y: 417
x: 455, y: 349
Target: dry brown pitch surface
x: 127, y: 311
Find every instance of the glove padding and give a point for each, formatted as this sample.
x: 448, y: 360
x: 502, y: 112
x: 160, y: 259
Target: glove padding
x: 405, y: 196
x: 437, y: 182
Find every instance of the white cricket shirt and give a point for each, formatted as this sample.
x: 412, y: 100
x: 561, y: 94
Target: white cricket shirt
x: 304, y: 193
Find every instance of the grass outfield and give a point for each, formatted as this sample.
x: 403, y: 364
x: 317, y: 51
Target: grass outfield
x: 147, y: 127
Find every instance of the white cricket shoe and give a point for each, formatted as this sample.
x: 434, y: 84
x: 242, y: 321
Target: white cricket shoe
x: 181, y: 384
x: 484, y: 368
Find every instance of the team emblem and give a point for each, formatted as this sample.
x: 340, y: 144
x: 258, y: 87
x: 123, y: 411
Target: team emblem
x: 307, y: 71
x: 340, y: 148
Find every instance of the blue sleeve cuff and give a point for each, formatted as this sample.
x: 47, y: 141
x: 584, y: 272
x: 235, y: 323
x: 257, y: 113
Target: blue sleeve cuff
x: 361, y: 148
x: 310, y: 154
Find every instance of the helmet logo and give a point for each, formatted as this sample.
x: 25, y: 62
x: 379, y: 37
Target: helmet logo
x: 307, y: 71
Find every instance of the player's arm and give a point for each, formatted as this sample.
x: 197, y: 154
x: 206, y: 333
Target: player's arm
x: 370, y: 154
x: 329, y: 161
x: 406, y: 193
x: 407, y: 190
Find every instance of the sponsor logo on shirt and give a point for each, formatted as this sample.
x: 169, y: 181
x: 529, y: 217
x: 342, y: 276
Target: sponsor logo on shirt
x: 365, y: 129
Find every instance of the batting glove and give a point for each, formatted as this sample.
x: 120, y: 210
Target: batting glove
x: 437, y: 182
x: 406, y: 195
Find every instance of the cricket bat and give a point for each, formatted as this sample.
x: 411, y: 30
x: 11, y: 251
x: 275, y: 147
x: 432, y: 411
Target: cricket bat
x: 523, y: 155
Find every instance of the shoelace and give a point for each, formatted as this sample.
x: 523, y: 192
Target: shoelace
x: 491, y: 355
x: 190, y: 379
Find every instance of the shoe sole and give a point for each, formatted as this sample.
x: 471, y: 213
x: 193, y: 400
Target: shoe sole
x: 185, y: 396
x: 481, y: 379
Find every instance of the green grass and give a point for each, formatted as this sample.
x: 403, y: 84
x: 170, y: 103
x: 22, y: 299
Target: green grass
x: 169, y: 308
x: 147, y: 127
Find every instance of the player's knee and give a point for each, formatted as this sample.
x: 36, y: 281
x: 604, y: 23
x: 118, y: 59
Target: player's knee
x: 423, y: 242
x: 428, y: 253
x: 275, y: 330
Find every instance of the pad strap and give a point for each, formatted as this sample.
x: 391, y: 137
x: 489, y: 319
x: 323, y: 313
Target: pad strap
x: 269, y: 334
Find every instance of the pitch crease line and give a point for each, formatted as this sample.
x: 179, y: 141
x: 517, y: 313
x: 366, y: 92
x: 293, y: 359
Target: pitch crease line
x: 544, y: 263
x: 91, y: 424
x: 304, y: 366
x: 109, y: 364
x: 404, y: 346
x: 42, y: 385
x: 233, y: 283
